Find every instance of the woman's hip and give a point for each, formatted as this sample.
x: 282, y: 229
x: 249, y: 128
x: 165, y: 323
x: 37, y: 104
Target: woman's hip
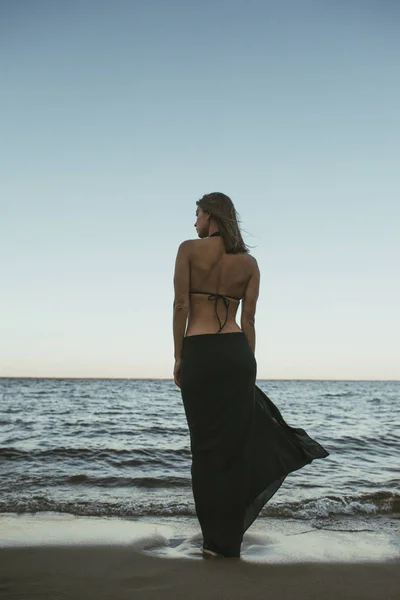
x: 215, y: 357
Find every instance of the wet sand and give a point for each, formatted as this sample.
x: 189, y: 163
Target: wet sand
x: 67, y: 557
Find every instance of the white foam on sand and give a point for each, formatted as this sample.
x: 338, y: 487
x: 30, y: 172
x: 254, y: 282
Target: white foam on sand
x: 282, y: 542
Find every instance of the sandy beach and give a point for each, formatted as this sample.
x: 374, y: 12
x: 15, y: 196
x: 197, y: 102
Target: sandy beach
x: 68, y: 557
x: 117, y: 573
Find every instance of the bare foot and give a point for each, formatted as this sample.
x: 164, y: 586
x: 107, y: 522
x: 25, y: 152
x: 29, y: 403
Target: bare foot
x: 209, y: 552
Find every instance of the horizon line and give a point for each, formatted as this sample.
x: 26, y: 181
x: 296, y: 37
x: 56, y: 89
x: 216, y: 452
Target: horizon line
x: 171, y: 379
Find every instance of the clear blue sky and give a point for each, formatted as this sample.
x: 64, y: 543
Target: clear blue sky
x: 117, y: 116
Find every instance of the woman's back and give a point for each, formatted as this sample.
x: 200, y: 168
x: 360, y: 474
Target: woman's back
x: 215, y: 272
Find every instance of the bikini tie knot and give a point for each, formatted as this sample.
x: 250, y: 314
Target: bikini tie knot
x: 216, y: 297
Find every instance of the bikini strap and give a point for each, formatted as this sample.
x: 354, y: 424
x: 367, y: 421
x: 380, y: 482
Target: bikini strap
x: 216, y: 297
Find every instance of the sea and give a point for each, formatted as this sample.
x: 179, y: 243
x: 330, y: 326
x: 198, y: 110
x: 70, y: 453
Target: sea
x: 120, y: 447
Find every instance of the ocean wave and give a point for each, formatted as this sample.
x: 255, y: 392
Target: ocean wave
x: 51, y: 481
x: 118, y: 456
x: 339, y: 395
x: 374, y: 503
x: 140, y: 482
x: 363, y: 505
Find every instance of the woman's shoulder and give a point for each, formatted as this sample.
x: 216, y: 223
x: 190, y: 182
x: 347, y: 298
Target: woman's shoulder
x: 194, y: 245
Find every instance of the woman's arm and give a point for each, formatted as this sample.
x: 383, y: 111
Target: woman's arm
x: 249, y: 303
x: 181, y: 298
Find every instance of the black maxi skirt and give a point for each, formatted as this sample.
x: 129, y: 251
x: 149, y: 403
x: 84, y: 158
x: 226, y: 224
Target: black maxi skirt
x: 242, y: 448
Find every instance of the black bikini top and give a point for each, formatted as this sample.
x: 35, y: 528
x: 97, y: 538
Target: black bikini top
x: 216, y: 297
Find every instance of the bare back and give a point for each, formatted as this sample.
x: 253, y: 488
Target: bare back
x: 213, y: 271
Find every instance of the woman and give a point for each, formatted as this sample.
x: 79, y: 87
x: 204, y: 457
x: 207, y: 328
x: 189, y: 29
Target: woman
x: 242, y: 448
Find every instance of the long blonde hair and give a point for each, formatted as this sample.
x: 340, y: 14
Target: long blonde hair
x: 220, y: 207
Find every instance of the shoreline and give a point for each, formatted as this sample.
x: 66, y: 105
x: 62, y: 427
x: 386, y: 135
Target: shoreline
x: 62, y: 556
x: 267, y: 541
x: 121, y: 573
